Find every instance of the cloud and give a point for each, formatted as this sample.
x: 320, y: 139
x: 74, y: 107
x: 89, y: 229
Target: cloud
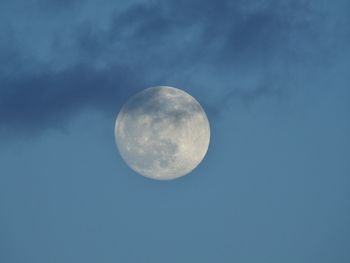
x: 47, y: 98
x: 60, y: 67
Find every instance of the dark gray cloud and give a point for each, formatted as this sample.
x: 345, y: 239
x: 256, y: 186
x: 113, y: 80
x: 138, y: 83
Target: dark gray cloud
x: 68, y: 61
x: 46, y: 98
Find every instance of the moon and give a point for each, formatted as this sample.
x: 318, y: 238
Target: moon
x: 162, y: 133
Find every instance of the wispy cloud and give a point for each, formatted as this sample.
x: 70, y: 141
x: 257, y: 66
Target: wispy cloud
x: 87, y: 64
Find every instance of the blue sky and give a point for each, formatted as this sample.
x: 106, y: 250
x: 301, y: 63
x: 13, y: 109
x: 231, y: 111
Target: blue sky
x: 273, y: 78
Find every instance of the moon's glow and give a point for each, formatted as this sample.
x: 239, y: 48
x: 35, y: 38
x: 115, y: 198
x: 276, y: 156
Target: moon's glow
x: 162, y: 133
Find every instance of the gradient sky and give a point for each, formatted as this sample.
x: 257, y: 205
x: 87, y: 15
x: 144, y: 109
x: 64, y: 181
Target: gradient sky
x: 274, y: 79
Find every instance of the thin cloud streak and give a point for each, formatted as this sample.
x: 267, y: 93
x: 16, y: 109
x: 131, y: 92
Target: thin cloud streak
x: 157, y: 43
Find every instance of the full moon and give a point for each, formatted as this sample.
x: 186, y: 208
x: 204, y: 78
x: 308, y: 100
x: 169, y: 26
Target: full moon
x: 162, y: 133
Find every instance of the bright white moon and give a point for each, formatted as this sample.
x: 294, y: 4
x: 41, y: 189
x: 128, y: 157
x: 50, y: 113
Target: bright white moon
x: 162, y: 133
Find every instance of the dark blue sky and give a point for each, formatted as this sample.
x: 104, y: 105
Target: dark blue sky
x: 273, y: 78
